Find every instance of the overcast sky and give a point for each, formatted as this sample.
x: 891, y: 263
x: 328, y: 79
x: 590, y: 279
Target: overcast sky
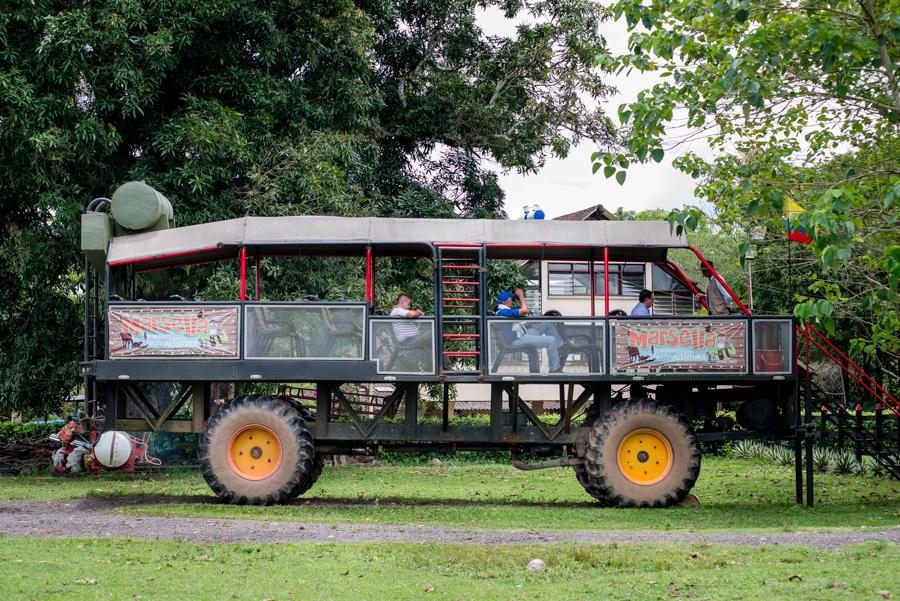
x: 566, y: 185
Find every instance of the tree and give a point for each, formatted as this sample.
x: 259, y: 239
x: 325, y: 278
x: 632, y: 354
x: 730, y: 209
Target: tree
x: 237, y: 108
x: 798, y: 100
x: 719, y: 243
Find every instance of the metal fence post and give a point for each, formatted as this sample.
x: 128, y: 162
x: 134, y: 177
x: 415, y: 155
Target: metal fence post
x: 859, y: 432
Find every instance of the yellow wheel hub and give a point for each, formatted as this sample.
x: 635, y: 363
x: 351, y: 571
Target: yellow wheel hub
x: 645, y: 456
x: 254, y: 452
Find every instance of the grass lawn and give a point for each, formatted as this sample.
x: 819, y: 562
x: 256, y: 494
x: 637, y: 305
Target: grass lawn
x: 121, y: 569
x: 735, y: 495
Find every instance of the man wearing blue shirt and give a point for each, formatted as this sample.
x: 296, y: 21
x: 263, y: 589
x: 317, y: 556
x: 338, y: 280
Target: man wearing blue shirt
x: 519, y: 336
x: 645, y: 301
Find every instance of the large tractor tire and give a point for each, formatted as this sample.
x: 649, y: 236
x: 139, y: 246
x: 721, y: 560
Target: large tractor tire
x: 257, y: 450
x: 640, y: 454
x: 318, y: 460
x: 581, y: 472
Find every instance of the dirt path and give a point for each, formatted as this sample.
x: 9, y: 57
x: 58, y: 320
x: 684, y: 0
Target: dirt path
x: 96, y: 517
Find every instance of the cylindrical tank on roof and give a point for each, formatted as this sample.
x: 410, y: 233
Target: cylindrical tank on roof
x: 138, y: 207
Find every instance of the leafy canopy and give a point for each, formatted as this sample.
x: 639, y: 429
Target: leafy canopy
x: 798, y: 99
x: 235, y: 107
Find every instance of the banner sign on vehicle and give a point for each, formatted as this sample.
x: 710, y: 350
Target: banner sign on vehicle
x: 680, y: 346
x: 185, y: 331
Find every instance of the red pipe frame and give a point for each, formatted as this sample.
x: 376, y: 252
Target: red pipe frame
x: 369, y: 296
x: 892, y: 406
x: 687, y: 282
x: 848, y: 360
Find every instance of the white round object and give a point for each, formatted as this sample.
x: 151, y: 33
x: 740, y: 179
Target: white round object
x: 536, y: 565
x: 113, y: 449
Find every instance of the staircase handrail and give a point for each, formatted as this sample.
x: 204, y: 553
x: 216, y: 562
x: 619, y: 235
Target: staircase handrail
x: 850, y: 361
x: 886, y: 398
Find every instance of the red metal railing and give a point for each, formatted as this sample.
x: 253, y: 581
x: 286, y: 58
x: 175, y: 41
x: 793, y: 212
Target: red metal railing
x: 867, y: 382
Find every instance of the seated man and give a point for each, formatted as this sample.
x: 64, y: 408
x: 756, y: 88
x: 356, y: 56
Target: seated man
x: 717, y: 298
x: 645, y: 301
x: 408, y: 333
x: 535, y: 335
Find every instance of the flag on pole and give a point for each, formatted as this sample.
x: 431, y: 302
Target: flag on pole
x: 796, y: 232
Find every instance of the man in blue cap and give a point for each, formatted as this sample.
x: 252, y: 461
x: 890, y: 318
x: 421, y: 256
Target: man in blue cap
x: 537, y: 335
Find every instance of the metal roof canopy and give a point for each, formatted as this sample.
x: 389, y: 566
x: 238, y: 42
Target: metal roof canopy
x: 309, y: 235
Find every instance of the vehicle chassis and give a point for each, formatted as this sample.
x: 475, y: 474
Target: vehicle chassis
x: 113, y: 386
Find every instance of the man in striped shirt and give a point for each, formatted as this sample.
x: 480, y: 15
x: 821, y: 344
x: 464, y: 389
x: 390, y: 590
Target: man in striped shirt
x: 406, y: 331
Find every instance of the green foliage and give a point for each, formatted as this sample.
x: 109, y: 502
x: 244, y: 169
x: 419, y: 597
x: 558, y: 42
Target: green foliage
x: 798, y: 101
x: 11, y: 432
x: 235, y: 108
x: 843, y: 462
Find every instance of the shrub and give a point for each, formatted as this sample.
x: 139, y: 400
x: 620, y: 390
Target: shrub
x: 844, y: 462
x: 821, y: 459
x: 749, y: 449
x: 11, y: 432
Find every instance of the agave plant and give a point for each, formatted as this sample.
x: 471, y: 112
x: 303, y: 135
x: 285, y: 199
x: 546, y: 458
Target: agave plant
x: 770, y: 452
x: 784, y: 456
x: 821, y: 459
x: 871, y: 468
x: 747, y: 449
x: 844, y: 462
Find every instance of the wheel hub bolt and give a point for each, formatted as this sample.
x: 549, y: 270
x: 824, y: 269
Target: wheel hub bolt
x: 643, y: 456
x: 256, y: 452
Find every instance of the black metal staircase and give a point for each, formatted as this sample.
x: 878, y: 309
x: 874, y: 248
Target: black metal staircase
x: 867, y: 434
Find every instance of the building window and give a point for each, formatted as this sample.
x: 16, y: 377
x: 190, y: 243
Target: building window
x: 671, y: 297
x: 573, y: 279
x: 568, y: 279
x: 532, y: 271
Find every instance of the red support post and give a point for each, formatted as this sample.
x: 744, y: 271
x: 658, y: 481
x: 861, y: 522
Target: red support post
x: 243, y: 273
x: 369, y: 295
